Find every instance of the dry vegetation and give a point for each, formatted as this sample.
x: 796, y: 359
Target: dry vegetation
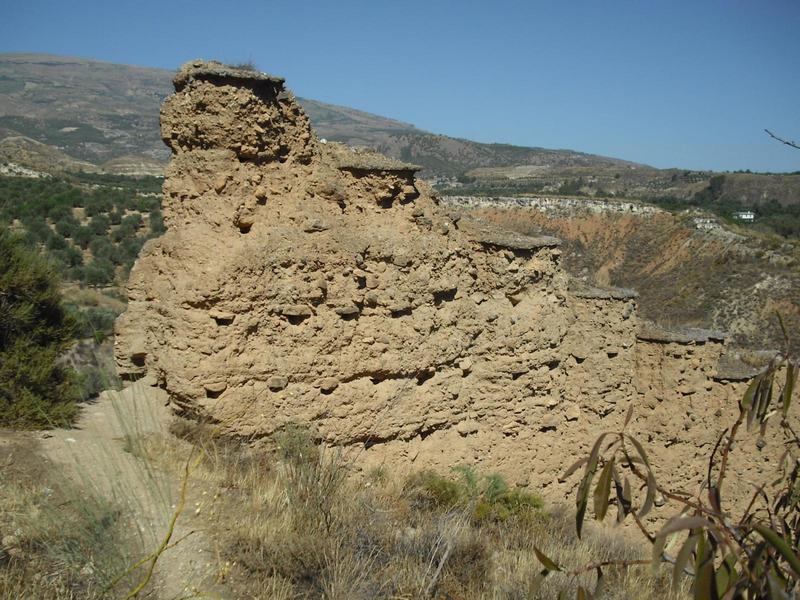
x: 684, y: 276
x: 288, y: 522
x: 59, y: 541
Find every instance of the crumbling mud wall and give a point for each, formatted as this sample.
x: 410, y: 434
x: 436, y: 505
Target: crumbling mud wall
x: 688, y: 385
x: 306, y: 283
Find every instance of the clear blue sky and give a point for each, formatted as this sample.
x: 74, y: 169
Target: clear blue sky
x: 688, y: 83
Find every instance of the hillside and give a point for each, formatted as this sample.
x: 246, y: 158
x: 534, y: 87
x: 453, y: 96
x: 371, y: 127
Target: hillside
x: 725, y: 277
x: 67, y: 114
x: 736, y: 190
x: 99, y: 112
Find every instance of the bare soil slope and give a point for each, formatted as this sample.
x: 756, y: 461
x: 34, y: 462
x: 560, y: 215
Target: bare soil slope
x: 684, y: 276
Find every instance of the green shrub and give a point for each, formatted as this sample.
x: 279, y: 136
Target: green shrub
x: 101, y: 247
x: 113, y: 232
x: 434, y: 491
x: 92, y: 321
x: 132, y: 221
x: 65, y: 226
x: 35, y: 330
x: 489, y: 498
x: 93, y: 380
x: 99, y: 272
x: 315, y: 478
x: 99, y: 224
x: 82, y: 235
x: 72, y: 257
x: 56, y: 242
x: 116, y: 215
x: 37, y: 228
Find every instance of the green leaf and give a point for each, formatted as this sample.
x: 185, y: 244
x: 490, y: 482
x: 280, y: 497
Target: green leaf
x: 649, y: 499
x: 780, y: 544
x: 704, y: 581
x: 713, y: 497
x: 788, y: 388
x: 747, y: 400
x: 726, y: 575
x: 774, y: 586
x: 626, y: 501
x: 573, y: 467
x: 676, y: 524
x: 548, y: 563
x: 640, y: 450
x: 761, y: 397
x: 602, y: 491
x: 783, y: 328
x: 682, y: 560
x: 586, y: 484
x: 618, y: 493
x: 652, y: 487
x: 628, y: 416
x: 765, y: 398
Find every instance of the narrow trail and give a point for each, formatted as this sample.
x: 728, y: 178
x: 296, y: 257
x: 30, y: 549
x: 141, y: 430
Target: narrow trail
x: 99, y: 453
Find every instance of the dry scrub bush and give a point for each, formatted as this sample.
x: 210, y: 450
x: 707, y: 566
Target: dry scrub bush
x: 483, y: 498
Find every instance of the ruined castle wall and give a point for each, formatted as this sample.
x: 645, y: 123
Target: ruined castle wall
x: 303, y: 283
x: 306, y: 283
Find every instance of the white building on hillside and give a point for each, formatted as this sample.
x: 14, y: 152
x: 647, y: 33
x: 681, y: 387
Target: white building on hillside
x: 705, y: 223
x: 745, y: 215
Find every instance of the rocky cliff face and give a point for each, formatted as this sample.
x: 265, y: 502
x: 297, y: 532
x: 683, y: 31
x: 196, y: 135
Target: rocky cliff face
x: 305, y: 283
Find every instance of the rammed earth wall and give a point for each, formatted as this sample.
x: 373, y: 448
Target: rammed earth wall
x: 306, y: 283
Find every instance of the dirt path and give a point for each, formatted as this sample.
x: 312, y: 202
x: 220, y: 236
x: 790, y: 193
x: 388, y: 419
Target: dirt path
x: 100, y: 452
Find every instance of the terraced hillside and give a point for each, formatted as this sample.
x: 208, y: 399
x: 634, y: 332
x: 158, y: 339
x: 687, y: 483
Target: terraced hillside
x: 102, y: 116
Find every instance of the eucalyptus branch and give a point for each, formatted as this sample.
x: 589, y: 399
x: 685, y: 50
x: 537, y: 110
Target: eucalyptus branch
x: 726, y: 451
x: 667, y: 493
x: 651, y: 538
x: 782, y: 140
x: 788, y: 427
x: 746, y: 514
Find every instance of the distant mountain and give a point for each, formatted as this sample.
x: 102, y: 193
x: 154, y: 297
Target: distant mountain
x: 69, y: 114
x: 100, y: 112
